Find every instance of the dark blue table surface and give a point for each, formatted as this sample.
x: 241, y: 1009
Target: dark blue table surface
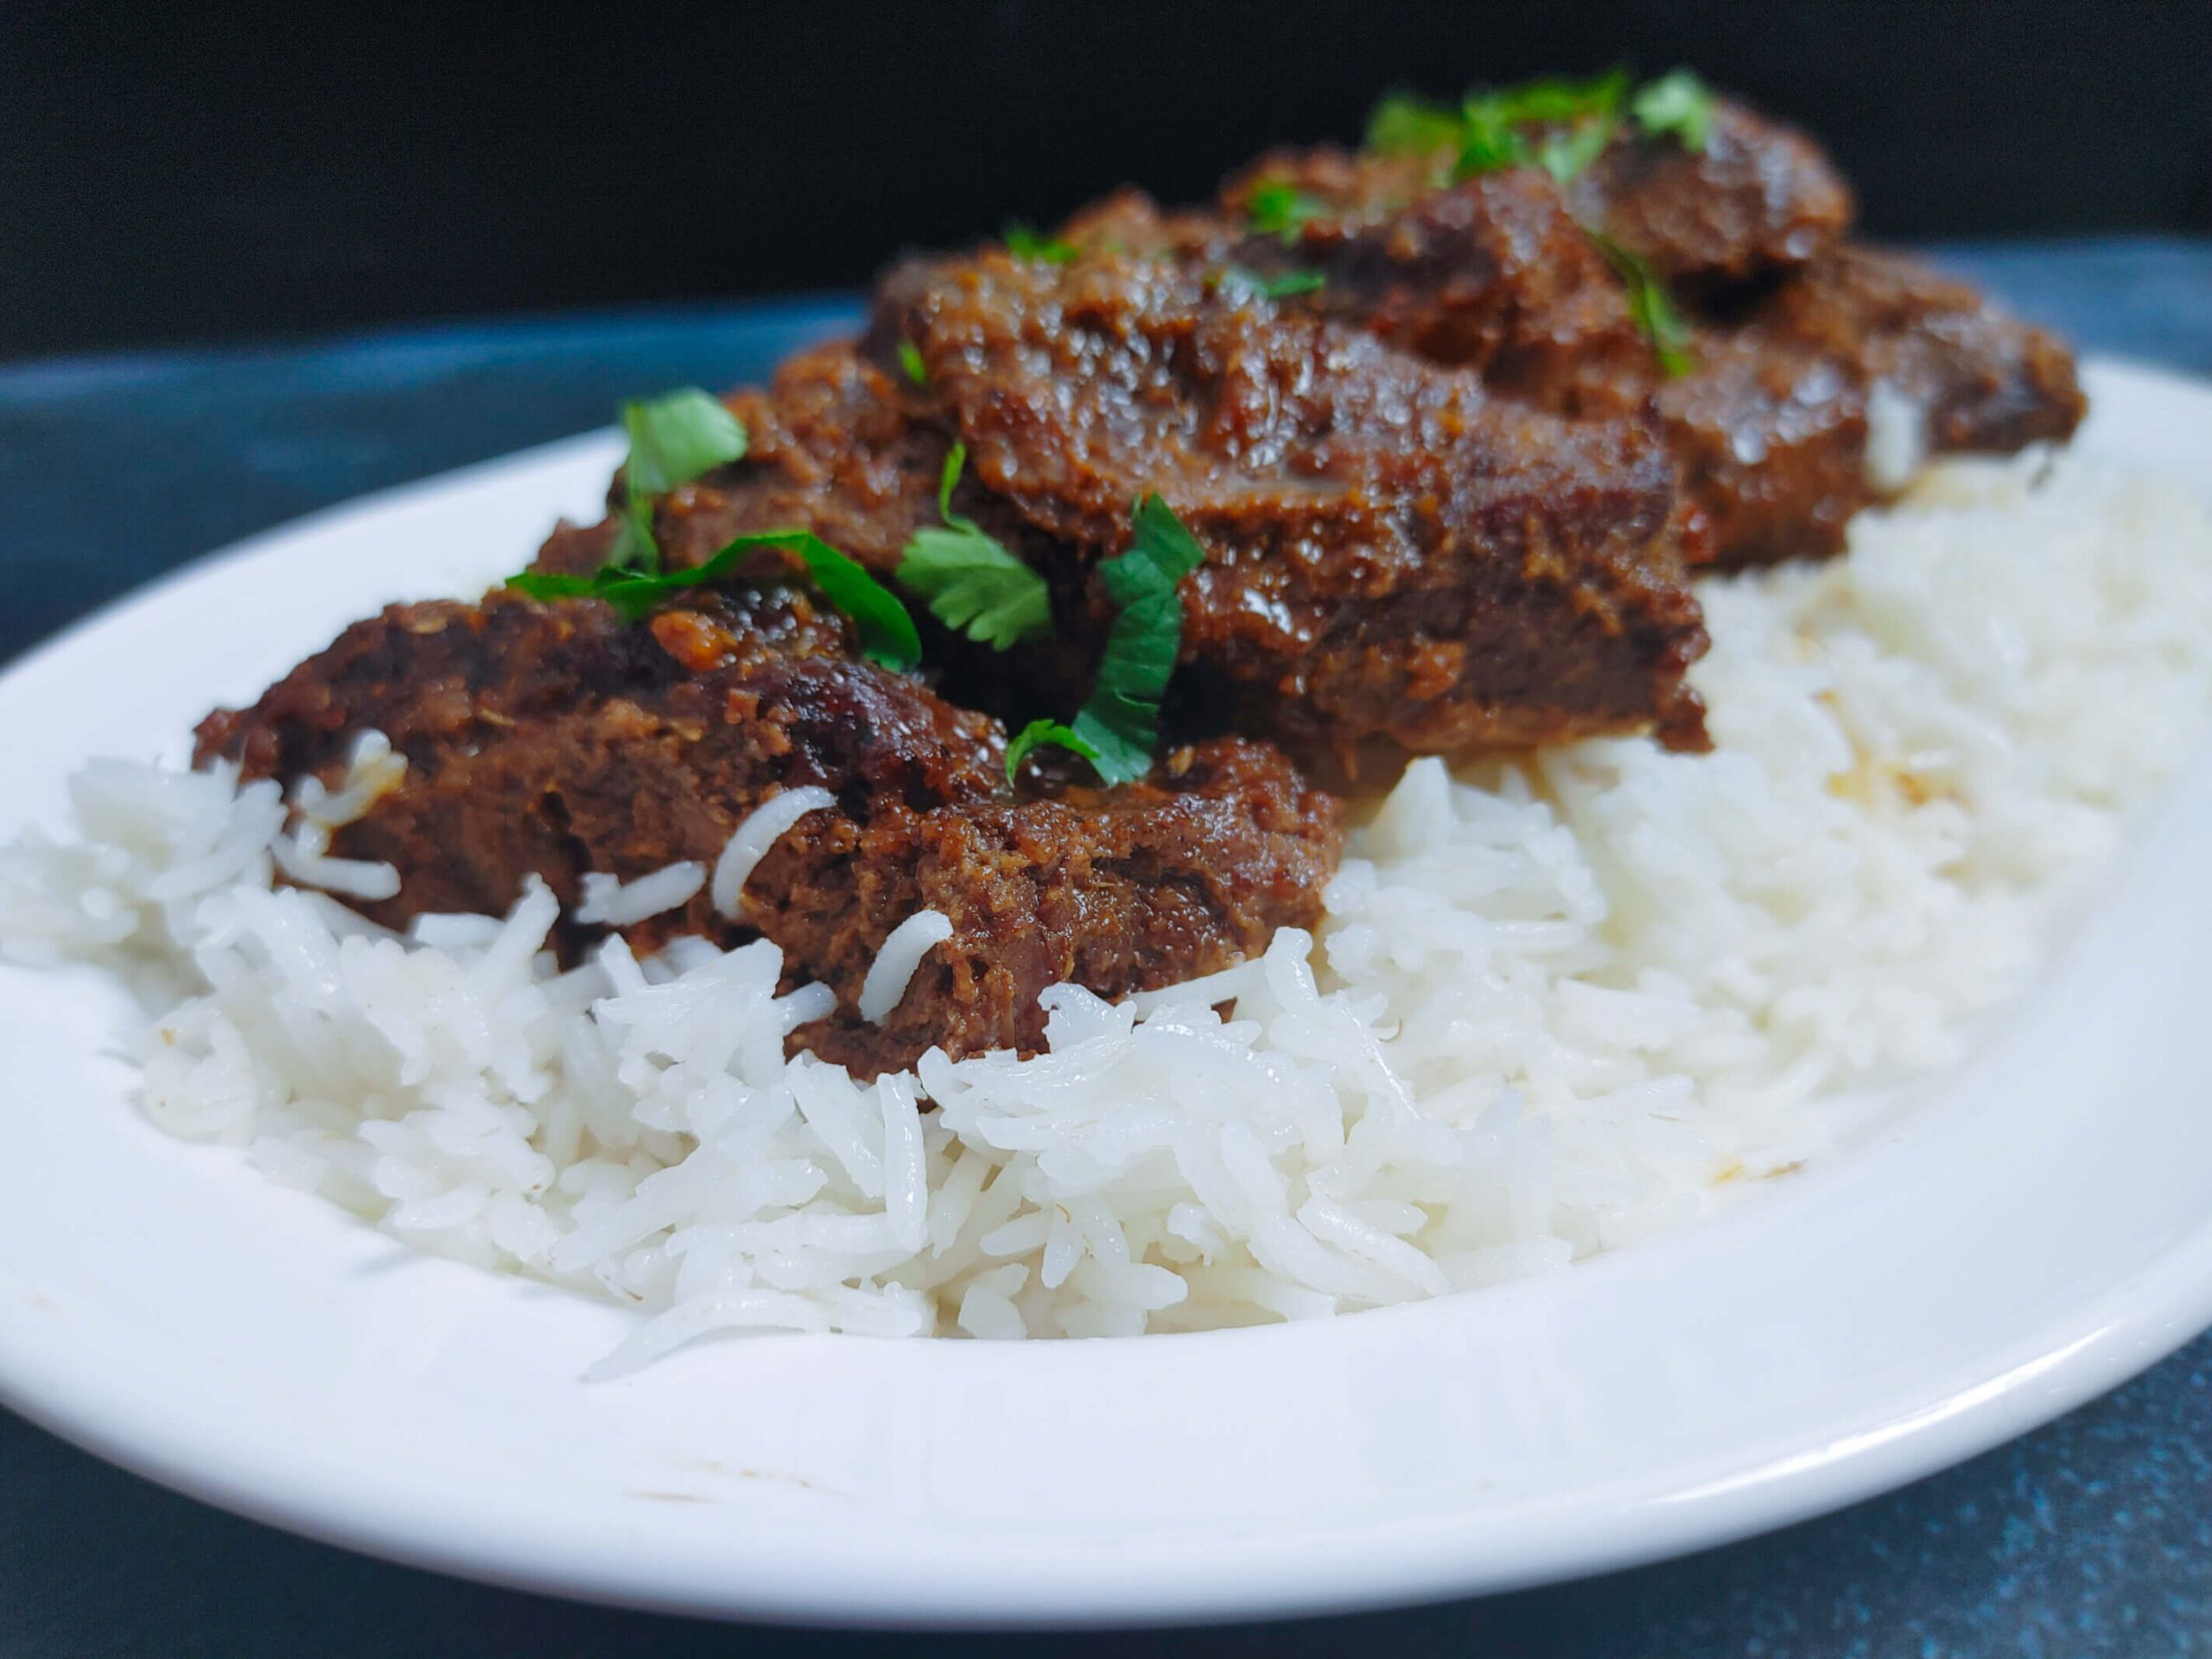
x: 2091, y: 1536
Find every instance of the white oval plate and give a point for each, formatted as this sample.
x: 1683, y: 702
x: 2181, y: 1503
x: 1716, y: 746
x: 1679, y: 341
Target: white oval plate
x: 2040, y: 1229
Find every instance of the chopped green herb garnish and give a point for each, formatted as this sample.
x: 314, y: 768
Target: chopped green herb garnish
x: 1406, y: 124
x: 1550, y: 98
x: 1507, y: 126
x: 1279, y: 208
x: 1677, y: 104
x: 1037, y: 734
x: 1024, y: 243
x: 1652, y: 306
x: 1496, y: 123
x: 970, y: 580
x: 1121, y: 718
x: 1162, y: 553
x: 1280, y: 286
x: 1118, y: 726
x: 672, y: 441
x: 1565, y: 155
x: 910, y: 360
x: 1489, y: 141
x: 633, y: 547
x: 887, y: 632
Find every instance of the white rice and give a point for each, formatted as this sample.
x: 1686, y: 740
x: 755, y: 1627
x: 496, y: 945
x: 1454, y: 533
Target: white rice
x: 372, y: 771
x: 1896, y: 437
x: 763, y: 827
x: 617, y: 903
x: 356, y: 878
x: 893, y: 970
x: 1556, y: 1005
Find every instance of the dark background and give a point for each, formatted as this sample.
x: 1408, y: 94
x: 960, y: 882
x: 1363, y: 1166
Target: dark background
x: 173, y: 173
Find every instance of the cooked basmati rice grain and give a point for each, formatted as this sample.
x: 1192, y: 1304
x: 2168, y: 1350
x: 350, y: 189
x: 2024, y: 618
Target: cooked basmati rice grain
x: 893, y: 970
x: 613, y: 902
x: 763, y: 827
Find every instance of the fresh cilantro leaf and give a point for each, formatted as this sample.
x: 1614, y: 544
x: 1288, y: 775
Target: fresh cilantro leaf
x: 970, y: 580
x: 1280, y: 286
x: 886, y: 632
x: 539, y: 584
x: 947, y: 480
x: 1162, y: 553
x: 1652, y: 306
x: 1489, y: 139
x: 1039, y: 733
x: 887, y: 635
x: 1121, y: 718
x: 634, y: 547
x: 1564, y: 155
x: 1497, y: 123
x: 672, y: 441
x: 1502, y: 127
x: 910, y: 360
x: 1404, y: 123
x: 1280, y: 208
x: 1118, y: 726
x: 675, y: 438
x: 1677, y: 104
x: 1551, y: 97
x: 1025, y: 243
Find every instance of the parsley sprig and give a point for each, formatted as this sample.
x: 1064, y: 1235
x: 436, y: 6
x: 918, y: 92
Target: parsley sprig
x: 1045, y: 734
x: 1500, y: 124
x: 1281, y: 285
x: 968, y: 580
x: 673, y: 440
x: 1118, y: 726
x: 886, y: 632
x: 1651, y: 306
x: 1405, y: 123
x: 1277, y: 208
x: 1678, y: 105
x: 1560, y: 125
x: 1025, y: 242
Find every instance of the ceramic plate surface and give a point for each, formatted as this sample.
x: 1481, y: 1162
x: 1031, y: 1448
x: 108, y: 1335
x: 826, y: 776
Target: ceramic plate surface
x: 2039, y: 1229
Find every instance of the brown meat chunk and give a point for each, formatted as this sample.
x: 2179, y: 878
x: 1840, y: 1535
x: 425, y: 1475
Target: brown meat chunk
x: 1769, y: 428
x: 1393, y: 552
x: 558, y: 741
x: 1771, y: 441
x: 1495, y: 273
x: 1771, y: 424
x: 1130, y: 222
x: 1492, y: 272
x: 1986, y: 381
x: 1759, y: 197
